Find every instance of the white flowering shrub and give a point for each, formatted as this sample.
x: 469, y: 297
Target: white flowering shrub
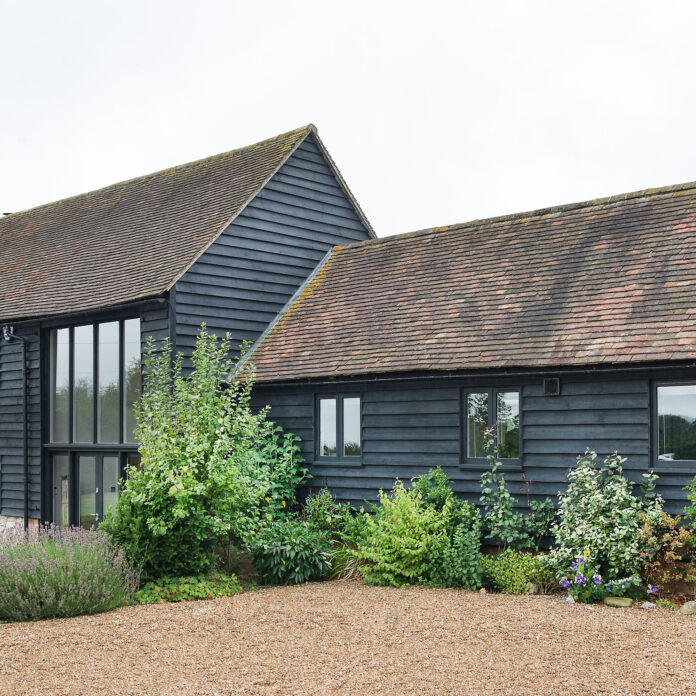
x: 600, y: 519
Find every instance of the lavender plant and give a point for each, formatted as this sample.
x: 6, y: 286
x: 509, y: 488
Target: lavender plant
x: 59, y: 572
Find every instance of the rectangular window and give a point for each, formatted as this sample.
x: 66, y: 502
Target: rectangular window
x: 476, y: 423
x: 109, y: 383
x: 88, y: 380
x: 60, y: 385
x: 61, y: 490
x: 132, y: 375
x: 83, y: 384
x: 327, y: 427
x: 676, y: 423
x: 351, y: 427
x: 485, y: 409
x: 339, y: 432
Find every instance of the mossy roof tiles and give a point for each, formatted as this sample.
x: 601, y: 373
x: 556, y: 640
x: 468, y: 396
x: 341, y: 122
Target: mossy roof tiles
x: 131, y: 240
x: 606, y: 281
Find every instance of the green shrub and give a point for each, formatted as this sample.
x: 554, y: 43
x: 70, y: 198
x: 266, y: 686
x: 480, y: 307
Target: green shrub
x: 511, y: 571
x: 60, y: 572
x: 400, y: 538
x: 324, y: 513
x: 667, y: 604
x: 288, y: 551
x: 168, y: 589
x: 424, y: 535
x: 507, y: 526
x: 600, y: 520
x: 211, y: 470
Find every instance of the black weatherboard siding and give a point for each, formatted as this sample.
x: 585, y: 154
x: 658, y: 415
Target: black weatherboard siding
x: 248, y: 274
x: 12, y: 423
x: 411, y: 426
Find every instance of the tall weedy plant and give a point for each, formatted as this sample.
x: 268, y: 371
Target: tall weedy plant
x: 211, y: 468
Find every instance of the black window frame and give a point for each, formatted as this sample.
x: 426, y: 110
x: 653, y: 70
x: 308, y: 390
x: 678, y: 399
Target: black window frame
x: 339, y: 457
x: 508, y: 464
x: 679, y: 466
x: 122, y: 449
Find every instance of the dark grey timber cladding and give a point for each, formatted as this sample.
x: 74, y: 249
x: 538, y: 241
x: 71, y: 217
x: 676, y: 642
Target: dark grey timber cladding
x: 248, y: 274
x: 12, y: 424
x: 409, y: 427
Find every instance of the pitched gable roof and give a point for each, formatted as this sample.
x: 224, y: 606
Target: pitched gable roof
x: 134, y: 239
x: 607, y: 281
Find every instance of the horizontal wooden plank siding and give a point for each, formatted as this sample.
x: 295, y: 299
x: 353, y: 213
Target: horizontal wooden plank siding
x: 248, y: 274
x: 12, y: 424
x: 409, y: 427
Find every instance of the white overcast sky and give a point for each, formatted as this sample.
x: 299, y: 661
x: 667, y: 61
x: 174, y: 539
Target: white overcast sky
x: 435, y: 112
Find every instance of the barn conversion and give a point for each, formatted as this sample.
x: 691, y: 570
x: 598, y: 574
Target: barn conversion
x: 567, y: 327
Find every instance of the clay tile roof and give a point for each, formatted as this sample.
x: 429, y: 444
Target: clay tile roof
x: 606, y: 281
x: 131, y: 240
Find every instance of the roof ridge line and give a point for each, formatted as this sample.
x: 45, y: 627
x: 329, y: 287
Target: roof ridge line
x: 539, y: 212
x: 309, y: 128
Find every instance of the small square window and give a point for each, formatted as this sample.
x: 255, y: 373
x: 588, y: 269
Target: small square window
x: 485, y: 408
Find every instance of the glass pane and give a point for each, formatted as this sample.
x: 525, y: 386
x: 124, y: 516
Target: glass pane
x: 109, y: 378
x: 110, y: 477
x: 83, y: 398
x: 131, y: 361
x: 508, y: 423
x: 476, y: 423
x: 88, y: 494
x: 61, y: 490
x: 60, y: 385
x: 327, y: 427
x: 351, y: 427
x: 676, y: 413
x: 133, y: 461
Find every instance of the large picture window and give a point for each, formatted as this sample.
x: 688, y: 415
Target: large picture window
x: 484, y: 408
x: 95, y: 381
x: 339, y: 427
x: 676, y: 423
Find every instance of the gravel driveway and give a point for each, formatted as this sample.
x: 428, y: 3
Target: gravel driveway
x: 347, y: 638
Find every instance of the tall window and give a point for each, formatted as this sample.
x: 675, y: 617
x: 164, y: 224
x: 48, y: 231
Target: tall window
x: 339, y: 431
x: 483, y: 409
x: 676, y: 423
x: 95, y: 381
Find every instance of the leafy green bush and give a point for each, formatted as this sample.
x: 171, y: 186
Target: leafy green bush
x: 667, y: 604
x: 211, y: 469
x: 323, y: 512
x: 288, y: 551
x: 424, y: 535
x: 600, y: 519
x: 401, y: 537
x: 59, y: 572
x: 168, y: 589
x: 508, y: 527
x: 511, y: 571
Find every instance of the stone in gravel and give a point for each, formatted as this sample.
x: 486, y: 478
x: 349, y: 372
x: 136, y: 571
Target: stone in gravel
x: 482, y: 590
x: 532, y: 588
x: 570, y: 600
x: 648, y: 605
x: 689, y: 608
x: 621, y: 602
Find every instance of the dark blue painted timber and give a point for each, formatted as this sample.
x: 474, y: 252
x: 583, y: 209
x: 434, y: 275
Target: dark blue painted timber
x: 246, y: 276
x: 411, y: 426
x: 12, y: 424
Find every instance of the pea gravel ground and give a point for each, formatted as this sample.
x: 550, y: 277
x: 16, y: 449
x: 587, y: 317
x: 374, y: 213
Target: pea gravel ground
x: 347, y: 638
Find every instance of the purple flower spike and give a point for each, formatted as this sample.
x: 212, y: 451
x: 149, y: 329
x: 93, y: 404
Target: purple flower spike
x: 597, y: 580
x: 652, y: 589
x: 565, y: 583
x: 575, y: 565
